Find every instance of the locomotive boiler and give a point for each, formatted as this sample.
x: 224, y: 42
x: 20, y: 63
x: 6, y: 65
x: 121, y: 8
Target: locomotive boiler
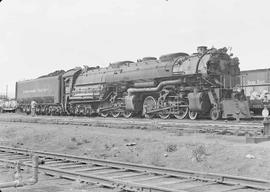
x: 174, y: 85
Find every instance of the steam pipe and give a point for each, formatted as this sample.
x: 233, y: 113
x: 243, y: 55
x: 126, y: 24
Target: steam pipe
x: 19, y: 182
x: 153, y: 89
x: 256, y: 85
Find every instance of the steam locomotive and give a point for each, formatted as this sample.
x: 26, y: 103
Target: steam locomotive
x: 175, y: 85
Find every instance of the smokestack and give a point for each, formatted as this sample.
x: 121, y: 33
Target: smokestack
x: 201, y: 49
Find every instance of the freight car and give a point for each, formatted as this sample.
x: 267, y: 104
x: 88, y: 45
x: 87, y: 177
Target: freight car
x: 175, y: 85
x: 256, y: 84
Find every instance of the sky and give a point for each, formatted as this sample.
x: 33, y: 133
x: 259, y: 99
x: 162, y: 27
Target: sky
x: 38, y: 37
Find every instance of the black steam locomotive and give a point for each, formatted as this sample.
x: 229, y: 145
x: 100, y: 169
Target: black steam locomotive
x: 175, y: 85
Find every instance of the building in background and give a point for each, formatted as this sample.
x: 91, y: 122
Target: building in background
x: 256, y: 84
x: 3, y: 97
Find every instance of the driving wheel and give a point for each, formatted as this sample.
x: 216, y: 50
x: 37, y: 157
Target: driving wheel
x: 149, y: 104
x: 181, y: 110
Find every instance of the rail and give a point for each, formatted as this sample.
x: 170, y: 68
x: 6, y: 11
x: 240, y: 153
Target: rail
x: 132, y: 177
x: 185, y: 126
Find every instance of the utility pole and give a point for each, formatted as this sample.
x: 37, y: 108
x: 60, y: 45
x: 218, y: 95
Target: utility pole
x: 6, y: 91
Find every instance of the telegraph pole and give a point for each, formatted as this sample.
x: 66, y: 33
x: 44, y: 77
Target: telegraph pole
x: 6, y: 91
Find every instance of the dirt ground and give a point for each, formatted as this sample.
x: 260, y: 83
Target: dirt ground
x: 199, y: 152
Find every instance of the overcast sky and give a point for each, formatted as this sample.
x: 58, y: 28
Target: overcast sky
x: 38, y: 37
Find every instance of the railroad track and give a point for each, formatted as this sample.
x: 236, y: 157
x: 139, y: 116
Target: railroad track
x: 202, y: 126
x: 131, y: 177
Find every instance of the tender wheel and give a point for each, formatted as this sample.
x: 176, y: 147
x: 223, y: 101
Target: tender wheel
x: 43, y: 110
x: 62, y: 112
x: 214, y: 114
x: 71, y: 111
x: 149, y: 104
x: 59, y: 111
x: 181, y: 110
x: 88, y: 112
x: 38, y: 110
x: 192, y: 115
x: 77, y: 111
x: 83, y: 111
x: 27, y: 110
x: 47, y: 111
x: 104, y: 114
x: 115, y: 114
x: 127, y: 114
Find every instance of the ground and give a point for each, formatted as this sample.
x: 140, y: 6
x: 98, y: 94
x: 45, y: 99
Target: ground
x: 199, y: 152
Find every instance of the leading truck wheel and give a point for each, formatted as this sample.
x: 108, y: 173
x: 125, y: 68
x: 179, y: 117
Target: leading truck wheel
x: 149, y: 104
x: 192, y: 115
x: 214, y: 114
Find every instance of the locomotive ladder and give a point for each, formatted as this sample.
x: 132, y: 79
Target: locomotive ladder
x: 131, y: 177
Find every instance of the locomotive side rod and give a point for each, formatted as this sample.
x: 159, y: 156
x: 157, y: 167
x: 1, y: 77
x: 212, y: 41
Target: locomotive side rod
x: 110, y: 109
x: 164, y: 108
